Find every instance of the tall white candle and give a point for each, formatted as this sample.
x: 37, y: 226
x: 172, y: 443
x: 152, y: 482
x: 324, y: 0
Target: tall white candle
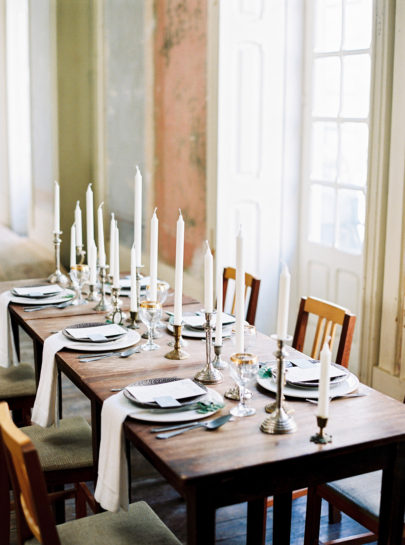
x: 323, y: 399
x: 78, y: 223
x: 112, y: 241
x: 219, y: 290
x: 178, y: 280
x: 208, y: 279
x: 72, y: 246
x: 240, y: 294
x: 116, y: 279
x: 100, y: 225
x: 93, y: 262
x: 154, y: 230
x: 56, y: 208
x: 89, y: 218
x: 133, y: 303
x: 138, y: 216
x: 283, y: 302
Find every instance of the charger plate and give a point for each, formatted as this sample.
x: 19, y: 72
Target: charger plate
x: 129, y: 339
x: 63, y: 297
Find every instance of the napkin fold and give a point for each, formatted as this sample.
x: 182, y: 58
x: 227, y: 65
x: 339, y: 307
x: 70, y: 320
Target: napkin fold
x: 7, y: 349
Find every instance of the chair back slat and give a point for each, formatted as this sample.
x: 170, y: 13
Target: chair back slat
x: 251, y: 283
x: 27, y: 479
x: 317, y: 338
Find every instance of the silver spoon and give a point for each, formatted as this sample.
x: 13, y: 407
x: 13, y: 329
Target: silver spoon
x: 124, y: 354
x: 210, y: 425
x: 41, y: 307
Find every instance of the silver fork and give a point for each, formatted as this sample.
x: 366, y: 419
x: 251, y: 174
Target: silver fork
x: 123, y: 354
x: 41, y: 307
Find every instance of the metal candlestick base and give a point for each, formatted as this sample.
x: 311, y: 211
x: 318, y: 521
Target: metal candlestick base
x: 321, y: 438
x: 116, y: 316
x: 177, y: 353
x: 279, y: 421
x: 92, y: 296
x: 132, y: 320
x: 58, y: 277
x: 208, y: 375
x: 218, y: 362
x: 234, y: 393
x: 271, y: 407
x: 103, y: 304
x: 138, y: 290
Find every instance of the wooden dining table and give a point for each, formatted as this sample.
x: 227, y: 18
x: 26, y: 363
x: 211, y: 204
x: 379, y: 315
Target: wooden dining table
x: 239, y: 463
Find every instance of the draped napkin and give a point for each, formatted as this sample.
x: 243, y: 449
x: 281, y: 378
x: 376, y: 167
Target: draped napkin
x: 112, y: 482
x: 7, y: 349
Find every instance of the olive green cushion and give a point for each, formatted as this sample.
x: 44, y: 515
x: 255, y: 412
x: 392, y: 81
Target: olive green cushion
x: 364, y: 490
x: 68, y: 446
x: 139, y: 526
x: 17, y: 381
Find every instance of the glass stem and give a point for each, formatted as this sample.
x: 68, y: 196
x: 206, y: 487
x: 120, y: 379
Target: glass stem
x: 150, y: 335
x: 242, y: 398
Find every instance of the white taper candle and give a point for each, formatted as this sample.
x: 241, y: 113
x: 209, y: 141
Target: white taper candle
x: 56, y: 208
x: 78, y: 223
x: 324, y: 382
x: 283, y: 302
x: 240, y: 294
x: 73, y: 246
x: 154, y: 230
x: 208, y: 279
x: 133, y: 303
x: 138, y: 216
x: 178, y: 280
x: 93, y: 262
x: 100, y: 226
x: 219, y: 290
x: 112, y: 242
x: 116, y: 282
x: 89, y: 219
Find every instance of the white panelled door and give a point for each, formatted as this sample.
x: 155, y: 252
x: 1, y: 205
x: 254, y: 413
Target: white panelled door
x: 335, y: 153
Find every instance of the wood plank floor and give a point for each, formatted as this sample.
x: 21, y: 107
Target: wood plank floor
x: 148, y: 485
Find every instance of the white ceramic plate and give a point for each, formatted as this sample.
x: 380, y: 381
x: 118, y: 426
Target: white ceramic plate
x: 346, y: 387
x: 43, y: 301
x: 131, y: 338
x: 195, y: 334
x: 184, y: 416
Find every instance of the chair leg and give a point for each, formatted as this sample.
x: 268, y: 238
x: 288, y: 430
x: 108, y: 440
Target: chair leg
x: 58, y: 505
x: 334, y: 514
x: 313, y: 517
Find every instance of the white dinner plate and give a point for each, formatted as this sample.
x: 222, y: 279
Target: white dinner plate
x: 61, y: 298
x: 196, y: 334
x: 154, y: 415
x: 346, y: 387
x: 129, y: 339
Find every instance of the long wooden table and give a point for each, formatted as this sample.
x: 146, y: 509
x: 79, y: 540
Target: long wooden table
x: 238, y: 462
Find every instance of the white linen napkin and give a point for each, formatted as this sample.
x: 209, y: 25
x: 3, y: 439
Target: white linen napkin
x: 7, y: 349
x: 43, y: 412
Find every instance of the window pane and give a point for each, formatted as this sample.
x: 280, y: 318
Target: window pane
x: 358, y: 24
x: 328, y: 25
x: 322, y: 212
x: 326, y: 86
x: 353, y: 153
x: 350, y: 220
x: 324, y: 151
x: 356, y: 86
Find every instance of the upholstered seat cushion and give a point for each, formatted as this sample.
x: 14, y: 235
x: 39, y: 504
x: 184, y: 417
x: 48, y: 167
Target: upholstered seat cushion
x: 139, y: 526
x: 17, y: 381
x: 68, y: 446
x: 364, y: 490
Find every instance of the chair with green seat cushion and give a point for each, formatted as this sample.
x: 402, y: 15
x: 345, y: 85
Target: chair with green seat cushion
x: 17, y: 387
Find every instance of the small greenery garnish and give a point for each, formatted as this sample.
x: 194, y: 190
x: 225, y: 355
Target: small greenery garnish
x: 265, y: 372
x: 204, y: 408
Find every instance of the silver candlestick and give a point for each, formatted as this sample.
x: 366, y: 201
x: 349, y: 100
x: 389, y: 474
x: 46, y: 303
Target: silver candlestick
x: 81, y: 253
x: 279, y: 421
x: 58, y: 277
x: 92, y: 296
x: 116, y: 316
x: 132, y: 320
x: 208, y: 375
x: 103, y: 304
x: 138, y: 290
x: 218, y: 362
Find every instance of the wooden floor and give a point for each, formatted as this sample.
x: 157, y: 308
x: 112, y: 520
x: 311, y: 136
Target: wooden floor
x: 148, y: 485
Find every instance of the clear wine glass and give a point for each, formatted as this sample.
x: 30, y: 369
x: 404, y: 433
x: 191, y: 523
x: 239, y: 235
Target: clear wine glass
x: 150, y: 312
x: 161, y: 296
x: 249, y: 341
x: 79, y: 275
x: 243, y: 369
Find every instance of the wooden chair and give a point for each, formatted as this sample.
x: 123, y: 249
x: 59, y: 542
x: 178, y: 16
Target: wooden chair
x: 139, y: 525
x: 17, y: 387
x: 250, y: 282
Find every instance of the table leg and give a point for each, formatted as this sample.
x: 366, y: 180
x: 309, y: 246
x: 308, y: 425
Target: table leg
x: 60, y: 400
x: 313, y: 517
x: 96, y: 429
x: 282, y: 518
x: 16, y: 336
x: 256, y: 522
x: 200, y: 519
x: 38, y: 350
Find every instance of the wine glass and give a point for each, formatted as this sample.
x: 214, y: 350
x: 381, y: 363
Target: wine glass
x: 150, y: 312
x: 243, y: 369
x: 161, y: 296
x: 249, y: 341
x: 79, y: 275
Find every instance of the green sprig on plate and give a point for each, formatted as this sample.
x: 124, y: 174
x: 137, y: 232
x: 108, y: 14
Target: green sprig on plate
x: 265, y: 372
x: 204, y: 408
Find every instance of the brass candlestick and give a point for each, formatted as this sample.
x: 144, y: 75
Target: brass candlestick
x: 218, y: 362
x: 132, y: 320
x: 116, y: 316
x: 321, y: 438
x: 279, y: 421
x: 177, y: 353
x: 58, y: 277
x: 208, y: 375
x: 103, y: 304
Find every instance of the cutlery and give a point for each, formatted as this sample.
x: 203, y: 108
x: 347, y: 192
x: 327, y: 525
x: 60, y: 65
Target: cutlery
x: 123, y: 354
x: 210, y: 425
x: 41, y: 307
x: 315, y: 401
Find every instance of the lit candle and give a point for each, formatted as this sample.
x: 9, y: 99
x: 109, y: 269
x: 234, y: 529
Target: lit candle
x: 239, y: 294
x: 112, y: 242
x: 283, y: 302
x: 56, y: 209
x: 133, y: 303
x: 89, y: 218
x: 208, y: 280
x: 116, y: 278
x: 154, y: 229
x: 73, y: 246
x: 93, y: 262
x: 138, y: 217
x: 323, y: 395
x: 100, y: 225
x: 178, y: 280
x: 78, y: 223
x: 218, y: 324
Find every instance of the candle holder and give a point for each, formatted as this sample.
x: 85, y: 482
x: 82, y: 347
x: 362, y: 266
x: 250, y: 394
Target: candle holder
x: 279, y: 422
x: 58, y: 277
x: 218, y: 362
x: 116, y: 316
x: 103, y: 304
x: 138, y: 290
x: 132, y: 320
x: 81, y: 253
x: 208, y: 375
x: 177, y: 353
x: 321, y: 438
x: 234, y: 393
x: 92, y: 296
